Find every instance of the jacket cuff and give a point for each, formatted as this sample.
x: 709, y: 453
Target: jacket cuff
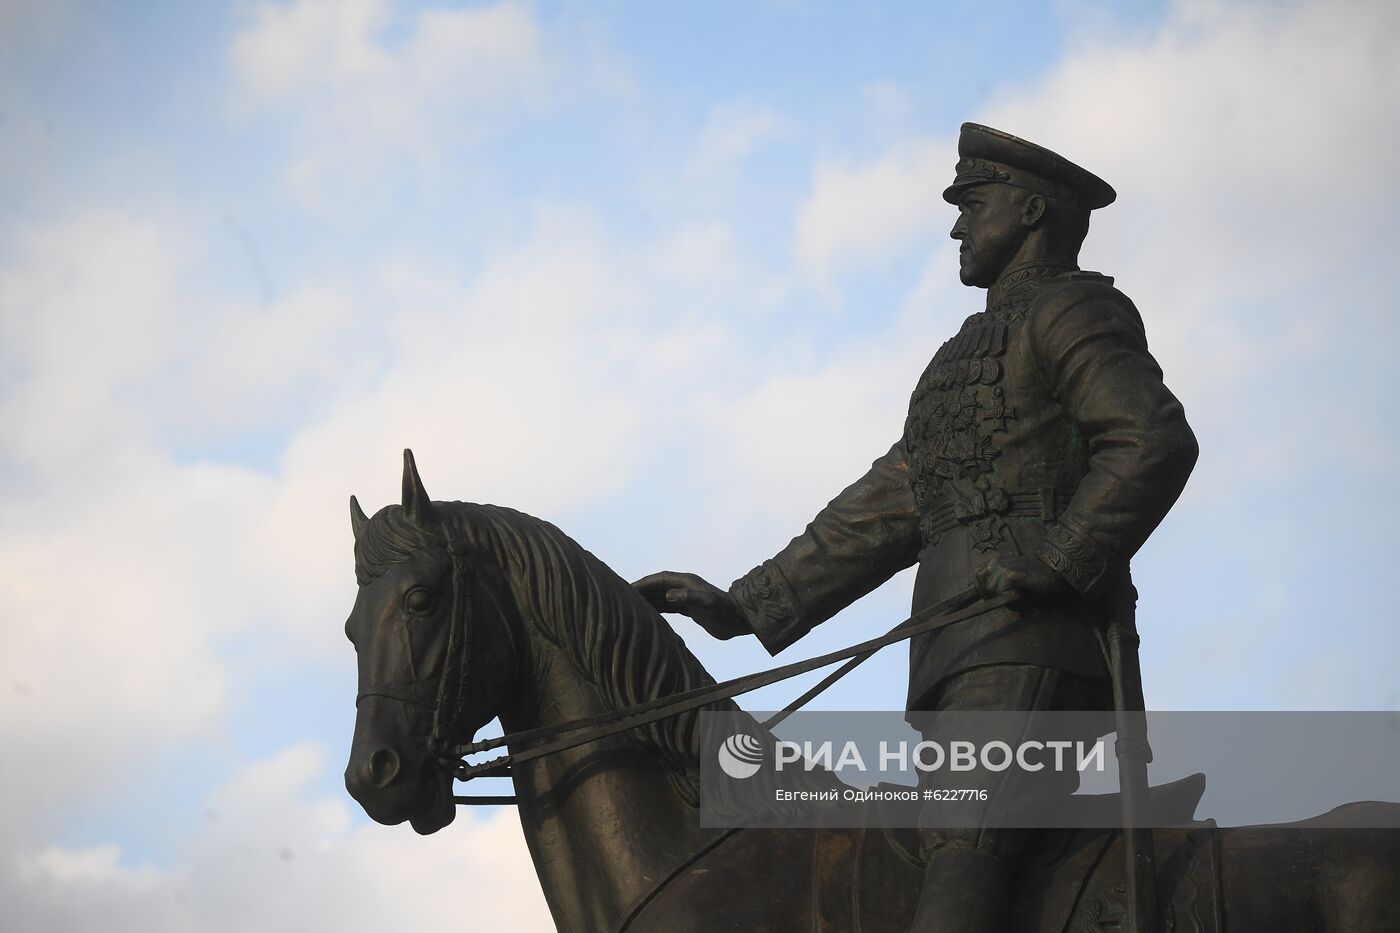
x: 1073, y: 557
x: 770, y: 605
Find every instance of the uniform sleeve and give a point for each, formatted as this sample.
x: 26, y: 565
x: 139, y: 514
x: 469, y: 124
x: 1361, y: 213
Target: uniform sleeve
x: 1091, y: 348
x: 863, y: 537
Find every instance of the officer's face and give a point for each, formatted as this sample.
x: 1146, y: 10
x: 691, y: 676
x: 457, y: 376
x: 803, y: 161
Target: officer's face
x: 991, y: 229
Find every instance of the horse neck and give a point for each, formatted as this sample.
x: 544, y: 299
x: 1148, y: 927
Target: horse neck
x: 603, y: 822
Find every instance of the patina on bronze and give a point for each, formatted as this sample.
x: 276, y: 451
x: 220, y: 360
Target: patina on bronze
x: 549, y: 635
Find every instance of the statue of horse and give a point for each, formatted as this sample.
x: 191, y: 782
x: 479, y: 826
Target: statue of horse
x: 466, y: 613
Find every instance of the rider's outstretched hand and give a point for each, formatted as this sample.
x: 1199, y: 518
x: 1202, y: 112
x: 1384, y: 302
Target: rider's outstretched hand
x: 713, y: 608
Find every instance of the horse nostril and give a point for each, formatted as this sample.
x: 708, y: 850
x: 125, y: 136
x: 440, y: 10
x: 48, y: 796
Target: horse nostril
x: 383, y: 767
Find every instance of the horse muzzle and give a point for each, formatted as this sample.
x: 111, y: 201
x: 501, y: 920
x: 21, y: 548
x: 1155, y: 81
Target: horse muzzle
x: 396, y: 778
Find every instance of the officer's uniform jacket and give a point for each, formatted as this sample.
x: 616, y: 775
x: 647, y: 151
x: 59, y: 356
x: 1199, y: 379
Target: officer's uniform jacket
x: 1042, y: 429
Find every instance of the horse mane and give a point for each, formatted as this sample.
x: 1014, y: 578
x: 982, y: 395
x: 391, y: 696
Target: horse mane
x: 607, y: 630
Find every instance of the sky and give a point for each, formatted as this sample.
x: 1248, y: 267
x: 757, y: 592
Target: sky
x: 662, y: 274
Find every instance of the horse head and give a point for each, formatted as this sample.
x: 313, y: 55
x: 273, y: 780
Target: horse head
x: 466, y: 613
x: 432, y: 670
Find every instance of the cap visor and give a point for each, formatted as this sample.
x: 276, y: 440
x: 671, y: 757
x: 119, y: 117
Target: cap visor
x: 955, y: 190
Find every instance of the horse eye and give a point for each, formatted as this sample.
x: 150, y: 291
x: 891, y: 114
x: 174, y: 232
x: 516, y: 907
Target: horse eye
x: 419, y: 599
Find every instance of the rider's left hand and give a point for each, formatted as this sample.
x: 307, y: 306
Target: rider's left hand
x: 1028, y: 576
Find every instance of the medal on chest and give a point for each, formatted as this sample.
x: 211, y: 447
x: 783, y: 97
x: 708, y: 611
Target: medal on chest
x: 956, y: 411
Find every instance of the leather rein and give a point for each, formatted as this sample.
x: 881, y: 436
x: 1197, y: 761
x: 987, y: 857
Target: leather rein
x: 531, y: 744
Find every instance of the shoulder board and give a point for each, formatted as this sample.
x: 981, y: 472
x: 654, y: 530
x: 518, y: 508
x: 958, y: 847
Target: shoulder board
x: 1064, y: 290
x: 1086, y: 276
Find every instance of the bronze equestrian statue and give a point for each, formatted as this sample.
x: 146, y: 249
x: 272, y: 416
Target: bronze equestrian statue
x: 1040, y: 451
x: 466, y: 613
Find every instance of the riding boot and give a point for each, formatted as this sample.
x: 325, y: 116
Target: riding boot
x: 966, y: 890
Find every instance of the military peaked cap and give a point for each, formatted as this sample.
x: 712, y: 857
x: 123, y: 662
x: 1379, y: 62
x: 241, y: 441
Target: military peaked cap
x: 986, y: 155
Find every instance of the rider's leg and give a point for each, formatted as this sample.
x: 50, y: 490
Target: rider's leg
x: 968, y: 885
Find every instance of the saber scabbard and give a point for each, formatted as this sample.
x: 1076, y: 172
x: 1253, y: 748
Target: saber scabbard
x: 1133, y: 754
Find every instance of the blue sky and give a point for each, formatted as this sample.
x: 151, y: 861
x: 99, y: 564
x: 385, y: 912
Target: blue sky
x: 661, y: 274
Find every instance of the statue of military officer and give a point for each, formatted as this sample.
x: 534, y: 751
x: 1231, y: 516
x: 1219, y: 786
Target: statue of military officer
x: 1040, y: 451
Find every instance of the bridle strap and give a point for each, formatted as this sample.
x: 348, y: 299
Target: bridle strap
x: 444, y: 697
x: 414, y: 692
x: 452, y: 684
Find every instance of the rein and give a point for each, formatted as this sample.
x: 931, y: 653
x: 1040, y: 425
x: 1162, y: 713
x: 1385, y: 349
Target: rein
x: 546, y: 740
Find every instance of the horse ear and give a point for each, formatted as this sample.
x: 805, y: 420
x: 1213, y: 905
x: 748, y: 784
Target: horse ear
x: 416, y: 503
x: 357, y: 517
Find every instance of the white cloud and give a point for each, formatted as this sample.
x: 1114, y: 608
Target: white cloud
x: 317, y: 52
x: 830, y: 421
x: 1236, y: 124
x: 109, y: 551
x: 730, y: 135
x: 95, y: 865
x: 309, y: 865
x: 90, y: 310
x: 361, y: 95
x: 859, y: 215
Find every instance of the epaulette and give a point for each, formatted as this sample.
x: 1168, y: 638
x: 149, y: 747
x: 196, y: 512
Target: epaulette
x: 1067, y: 290
x: 1086, y: 276
x: 1070, y: 287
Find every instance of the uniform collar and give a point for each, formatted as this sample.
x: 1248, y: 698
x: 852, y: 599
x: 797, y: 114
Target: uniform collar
x: 1019, y: 280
